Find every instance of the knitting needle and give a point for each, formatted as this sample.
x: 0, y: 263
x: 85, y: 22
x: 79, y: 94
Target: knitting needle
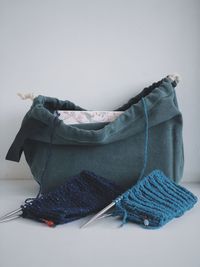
x: 10, y: 214
x: 105, y: 216
x: 9, y: 219
x: 98, y: 215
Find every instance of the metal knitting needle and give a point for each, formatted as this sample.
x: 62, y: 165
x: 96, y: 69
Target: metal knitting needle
x: 99, y: 214
x: 105, y: 216
x: 9, y: 219
x: 10, y: 214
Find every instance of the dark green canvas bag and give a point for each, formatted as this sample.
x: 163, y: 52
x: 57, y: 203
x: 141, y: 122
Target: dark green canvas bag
x: 55, y: 151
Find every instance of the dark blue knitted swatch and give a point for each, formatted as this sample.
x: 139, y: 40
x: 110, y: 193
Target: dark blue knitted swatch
x: 81, y: 195
x: 153, y: 201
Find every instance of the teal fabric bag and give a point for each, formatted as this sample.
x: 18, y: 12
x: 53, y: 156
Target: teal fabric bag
x: 56, y: 151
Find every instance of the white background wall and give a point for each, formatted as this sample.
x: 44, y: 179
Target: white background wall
x: 97, y: 54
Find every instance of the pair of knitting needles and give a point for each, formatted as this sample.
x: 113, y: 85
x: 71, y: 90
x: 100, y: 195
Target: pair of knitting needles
x: 11, y: 215
x: 18, y: 212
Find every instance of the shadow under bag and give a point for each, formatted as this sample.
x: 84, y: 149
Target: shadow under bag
x: 56, y: 151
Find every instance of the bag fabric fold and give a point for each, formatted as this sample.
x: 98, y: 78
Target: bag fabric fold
x: 56, y: 151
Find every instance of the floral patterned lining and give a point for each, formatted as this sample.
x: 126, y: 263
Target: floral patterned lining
x: 76, y: 116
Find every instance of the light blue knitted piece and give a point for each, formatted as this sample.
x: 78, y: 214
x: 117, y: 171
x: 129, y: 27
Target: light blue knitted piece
x: 154, y: 201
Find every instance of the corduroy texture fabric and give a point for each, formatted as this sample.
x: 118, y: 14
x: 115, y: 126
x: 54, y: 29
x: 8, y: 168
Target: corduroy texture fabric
x: 80, y: 196
x: 154, y: 201
x: 55, y: 151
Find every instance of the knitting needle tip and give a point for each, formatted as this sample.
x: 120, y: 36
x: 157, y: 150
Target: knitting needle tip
x: 8, y: 215
x: 98, y: 215
x: 9, y: 218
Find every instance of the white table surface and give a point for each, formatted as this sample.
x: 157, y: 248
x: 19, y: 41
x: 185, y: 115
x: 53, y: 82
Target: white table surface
x: 25, y: 243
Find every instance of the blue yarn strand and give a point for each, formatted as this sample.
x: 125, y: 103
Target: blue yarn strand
x: 146, y: 139
x: 118, y: 200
